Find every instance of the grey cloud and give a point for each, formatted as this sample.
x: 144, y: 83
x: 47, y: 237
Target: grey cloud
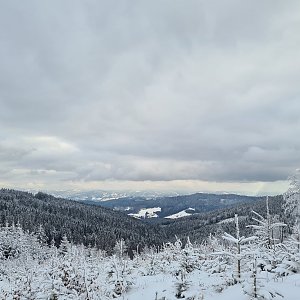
x: 11, y: 154
x: 150, y: 90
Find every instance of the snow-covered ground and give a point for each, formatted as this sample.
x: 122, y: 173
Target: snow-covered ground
x: 180, y: 214
x: 31, y: 270
x: 203, y: 285
x: 146, y: 213
x: 230, y: 220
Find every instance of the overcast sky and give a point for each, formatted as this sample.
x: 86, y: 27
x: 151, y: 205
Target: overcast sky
x: 169, y: 94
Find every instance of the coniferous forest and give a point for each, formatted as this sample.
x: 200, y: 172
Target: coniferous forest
x: 52, y: 248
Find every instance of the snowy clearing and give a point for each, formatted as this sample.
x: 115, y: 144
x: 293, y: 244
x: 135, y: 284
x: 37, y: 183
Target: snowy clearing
x: 146, y: 213
x: 180, y: 214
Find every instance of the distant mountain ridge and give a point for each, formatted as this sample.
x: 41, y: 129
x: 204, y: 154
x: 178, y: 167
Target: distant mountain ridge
x: 102, y: 195
x: 173, y: 205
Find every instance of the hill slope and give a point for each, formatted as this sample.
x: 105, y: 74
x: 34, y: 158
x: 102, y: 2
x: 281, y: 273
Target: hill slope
x: 81, y: 223
x: 198, y: 227
x: 96, y: 225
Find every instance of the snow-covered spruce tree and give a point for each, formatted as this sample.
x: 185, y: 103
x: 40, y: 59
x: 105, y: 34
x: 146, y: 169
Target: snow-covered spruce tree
x: 119, y: 272
x: 65, y: 246
x: 212, y: 244
x: 189, y: 259
x: 24, y: 270
x: 289, y: 254
x: 149, y: 261
x: 67, y: 270
x: 292, y: 201
x: 295, y: 240
x: 168, y: 254
x: 239, y: 244
x: 296, y: 236
x: 14, y: 243
x: 8, y: 243
x: 186, y: 264
x: 288, y: 258
x: 41, y: 235
x: 76, y: 274
x: 267, y: 257
x: 92, y: 268
x: 269, y: 232
x: 254, y: 286
x: 208, y: 255
x: 120, y: 249
x: 267, y: 228
x: 182, y: 283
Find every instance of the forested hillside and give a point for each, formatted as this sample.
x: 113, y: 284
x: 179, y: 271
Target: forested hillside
x: 198, y: 227
x: 102, y: 227
x: 86, y: 224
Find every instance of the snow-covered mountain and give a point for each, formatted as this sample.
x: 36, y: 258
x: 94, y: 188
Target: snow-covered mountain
x: 170, y: 206
x: 101, y: 195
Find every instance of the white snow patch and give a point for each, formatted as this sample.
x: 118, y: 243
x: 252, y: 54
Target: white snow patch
x: 205, y: 286
x: 146, y: 213
x: 229, y: 220
x: 180, y: 214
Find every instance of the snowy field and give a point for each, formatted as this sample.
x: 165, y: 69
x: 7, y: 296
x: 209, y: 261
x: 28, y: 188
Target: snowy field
x: 180, y: 214
x: 205, y: 286
x: 146, y: 213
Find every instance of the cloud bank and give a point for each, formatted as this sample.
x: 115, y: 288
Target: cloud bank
x: 139, y: 91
